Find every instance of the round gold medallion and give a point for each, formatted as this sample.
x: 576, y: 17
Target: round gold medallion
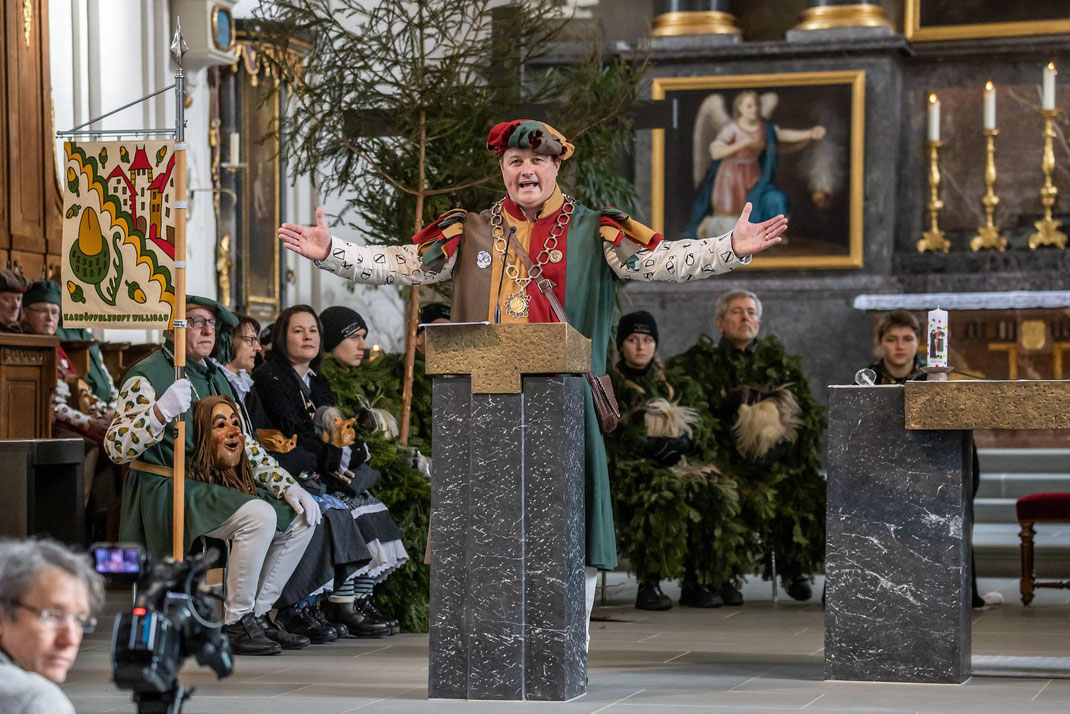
x: 556, y: 256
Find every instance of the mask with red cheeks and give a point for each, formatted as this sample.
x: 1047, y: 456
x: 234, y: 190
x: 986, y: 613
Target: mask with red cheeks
x: 228, y: 439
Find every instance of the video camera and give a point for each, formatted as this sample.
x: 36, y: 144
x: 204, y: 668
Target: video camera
x: 172, y: 619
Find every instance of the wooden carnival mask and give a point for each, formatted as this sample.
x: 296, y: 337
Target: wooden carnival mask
x: 219, y: 451
x: 335, y: 430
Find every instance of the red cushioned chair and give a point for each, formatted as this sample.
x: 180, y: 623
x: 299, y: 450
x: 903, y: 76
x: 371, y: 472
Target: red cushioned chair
x: 1032, y: 509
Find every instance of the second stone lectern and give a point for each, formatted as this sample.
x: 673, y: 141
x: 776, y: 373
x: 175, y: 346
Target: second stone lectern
x: 508, y: 617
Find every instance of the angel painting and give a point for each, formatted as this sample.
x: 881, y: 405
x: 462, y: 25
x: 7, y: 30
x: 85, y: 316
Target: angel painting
x: 735, y: 160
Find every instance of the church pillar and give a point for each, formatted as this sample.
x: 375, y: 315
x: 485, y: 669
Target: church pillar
x: 693, y: 17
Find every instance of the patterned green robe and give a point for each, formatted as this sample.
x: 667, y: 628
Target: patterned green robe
x: 146, y: 510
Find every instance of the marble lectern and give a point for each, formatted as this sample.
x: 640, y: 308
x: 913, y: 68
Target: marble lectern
x: 899, y: 513
x: 897, y: 563
x: 507, y: 512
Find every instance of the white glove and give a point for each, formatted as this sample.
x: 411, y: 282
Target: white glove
x: 175, y: 401
x: 301, y: 501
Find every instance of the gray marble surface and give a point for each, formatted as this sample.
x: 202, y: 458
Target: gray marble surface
x: 897, y: 563
x: 507, y: 542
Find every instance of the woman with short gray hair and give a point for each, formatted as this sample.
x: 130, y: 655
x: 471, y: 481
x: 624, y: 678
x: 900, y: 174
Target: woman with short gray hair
x: 48, y: 595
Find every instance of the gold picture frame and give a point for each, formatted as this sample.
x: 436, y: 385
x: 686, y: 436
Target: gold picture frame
x: 855, y: 82
x: 916, y: 33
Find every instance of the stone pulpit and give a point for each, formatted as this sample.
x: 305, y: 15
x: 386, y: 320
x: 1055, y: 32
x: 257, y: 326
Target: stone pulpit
x: 507, y: 511
x: 899, y: 518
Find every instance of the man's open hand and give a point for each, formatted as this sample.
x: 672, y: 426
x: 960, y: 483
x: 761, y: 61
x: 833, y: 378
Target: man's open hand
x: 313, y: 242
x: 750, y: 238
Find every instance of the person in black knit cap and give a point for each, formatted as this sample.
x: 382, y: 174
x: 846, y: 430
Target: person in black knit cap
x: 670, y: 505
x: 296, y: 401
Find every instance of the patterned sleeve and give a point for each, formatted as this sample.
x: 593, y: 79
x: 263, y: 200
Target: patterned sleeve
x: 384, y: 264
x: 675, y: 261
x: 266, y: 471
x: 134, y: 428
x: 64, y: 412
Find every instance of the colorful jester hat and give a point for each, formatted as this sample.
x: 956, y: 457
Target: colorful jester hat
x: 538, y: 136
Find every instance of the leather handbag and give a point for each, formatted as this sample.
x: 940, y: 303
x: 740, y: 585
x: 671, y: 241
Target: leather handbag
x: 605, y: 401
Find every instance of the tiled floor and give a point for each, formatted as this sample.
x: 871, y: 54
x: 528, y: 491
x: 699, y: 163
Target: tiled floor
x: 761, y: 657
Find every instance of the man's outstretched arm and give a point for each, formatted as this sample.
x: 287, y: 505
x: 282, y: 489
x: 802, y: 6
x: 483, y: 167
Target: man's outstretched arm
x: 375, y: 265
x: 681, y: 261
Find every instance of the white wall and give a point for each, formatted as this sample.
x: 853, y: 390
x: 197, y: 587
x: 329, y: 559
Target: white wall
x: 106, y: 53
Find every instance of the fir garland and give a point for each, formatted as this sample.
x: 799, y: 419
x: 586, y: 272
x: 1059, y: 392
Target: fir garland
x: 783, y: 500
x: 405, y: 490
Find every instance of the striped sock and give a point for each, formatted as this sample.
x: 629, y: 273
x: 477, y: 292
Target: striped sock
x: 362, y: 587
x: 343, y: 593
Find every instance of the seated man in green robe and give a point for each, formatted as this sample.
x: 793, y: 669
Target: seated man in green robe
x: 267, y: 532
x: 769, y: 442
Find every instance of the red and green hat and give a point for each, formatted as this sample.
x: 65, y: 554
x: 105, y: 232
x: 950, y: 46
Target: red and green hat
x: 538, y: 136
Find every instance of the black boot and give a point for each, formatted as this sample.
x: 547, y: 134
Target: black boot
x: 318, y: 612
x: 298, y: 621
x: 650, y: 597
x: 374, y: 614
x: 730, y: 595
x: 359, y: 625
x: 694, y: 595
x: 247, y: 637
x: 799, y: 588
x: 275, y: 632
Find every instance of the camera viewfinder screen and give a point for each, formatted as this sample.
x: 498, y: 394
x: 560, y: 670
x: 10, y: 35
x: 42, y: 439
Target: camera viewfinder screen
x: 116, y: 560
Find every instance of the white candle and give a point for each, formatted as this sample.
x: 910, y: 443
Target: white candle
x: 990, y: 106
x: 938, y: 338
x: 934, y: 118
x: 235, y: 147
x: 1048, y: 94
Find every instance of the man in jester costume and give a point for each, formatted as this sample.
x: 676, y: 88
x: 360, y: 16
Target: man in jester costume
x: 582, y: 252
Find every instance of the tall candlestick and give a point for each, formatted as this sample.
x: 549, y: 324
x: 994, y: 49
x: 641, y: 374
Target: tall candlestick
x: 934, y: 118
x: 990, y: 106
x: 1048, y: 232
x: 1048, y: 95
x: 933, y: 239
x: 938, y: 339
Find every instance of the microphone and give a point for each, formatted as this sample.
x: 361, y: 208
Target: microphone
x: 501, y: 279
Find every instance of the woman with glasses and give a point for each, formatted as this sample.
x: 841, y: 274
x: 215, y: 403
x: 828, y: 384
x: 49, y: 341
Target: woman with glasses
x: 236, y: 354
x: 48, y: 595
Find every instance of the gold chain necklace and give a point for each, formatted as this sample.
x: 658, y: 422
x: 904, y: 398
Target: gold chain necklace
x: 516, y: 303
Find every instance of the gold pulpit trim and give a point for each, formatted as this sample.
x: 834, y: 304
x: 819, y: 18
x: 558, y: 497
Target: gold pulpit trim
x: 694, y: 22
x: 497, y: 356
x: 829, y: 17
x: 984, y: 404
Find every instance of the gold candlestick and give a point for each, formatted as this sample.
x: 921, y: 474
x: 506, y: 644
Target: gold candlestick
x: 933, y: 239
x: 1048, y: 232
x: 988, y: 236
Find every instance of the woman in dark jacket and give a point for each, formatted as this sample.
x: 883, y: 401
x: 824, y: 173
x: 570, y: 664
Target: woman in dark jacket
x: 295, y: 400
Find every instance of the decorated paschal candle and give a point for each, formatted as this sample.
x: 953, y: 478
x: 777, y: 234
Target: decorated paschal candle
x: 938, y: 338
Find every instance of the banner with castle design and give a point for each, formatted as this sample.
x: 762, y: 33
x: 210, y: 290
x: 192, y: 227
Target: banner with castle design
x: 119, y: 234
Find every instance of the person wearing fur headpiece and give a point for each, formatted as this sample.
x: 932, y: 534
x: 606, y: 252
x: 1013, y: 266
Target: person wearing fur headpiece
x: 769, y: 442
x: 577, y: 252
x: 668, y: 500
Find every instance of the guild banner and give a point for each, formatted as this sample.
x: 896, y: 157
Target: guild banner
x: 119, y: 234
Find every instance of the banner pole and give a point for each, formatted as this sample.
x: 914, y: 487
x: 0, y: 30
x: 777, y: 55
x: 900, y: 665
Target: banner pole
x: 178, y: 512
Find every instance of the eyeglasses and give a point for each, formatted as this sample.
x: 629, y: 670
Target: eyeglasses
x: 55, y: 620
x: 247, y: 339
x: 198, y: 322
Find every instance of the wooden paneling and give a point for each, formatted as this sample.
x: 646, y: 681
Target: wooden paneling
x: 30, y: 200
x: 27, y: 378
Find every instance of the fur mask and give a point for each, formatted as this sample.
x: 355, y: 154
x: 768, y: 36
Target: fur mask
x: 764, y: 418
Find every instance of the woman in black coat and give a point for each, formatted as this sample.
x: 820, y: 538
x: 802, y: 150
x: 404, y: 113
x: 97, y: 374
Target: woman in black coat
x: 294, y: 398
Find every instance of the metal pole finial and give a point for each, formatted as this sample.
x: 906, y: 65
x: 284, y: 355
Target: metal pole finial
x: 179, y: 48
